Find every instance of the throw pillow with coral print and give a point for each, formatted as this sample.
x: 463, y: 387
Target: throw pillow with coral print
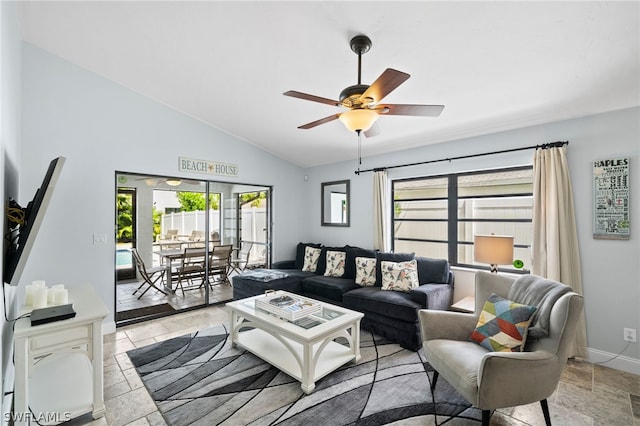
x: 335, y: 263
x: 366, y: 271
x: 399, y: 276
x: 311, y: 256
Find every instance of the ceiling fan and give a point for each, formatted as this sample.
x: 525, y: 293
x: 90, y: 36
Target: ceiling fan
x: 363, y: 101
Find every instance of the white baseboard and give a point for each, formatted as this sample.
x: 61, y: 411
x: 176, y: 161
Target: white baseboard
x: 620, y: 362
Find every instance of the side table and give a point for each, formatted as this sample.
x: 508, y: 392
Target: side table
x: 59, y: 365
x: 466, y: 304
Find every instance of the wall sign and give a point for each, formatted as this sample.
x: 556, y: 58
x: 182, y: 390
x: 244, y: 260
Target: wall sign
x: 207, y: 167
x: 611, y: 199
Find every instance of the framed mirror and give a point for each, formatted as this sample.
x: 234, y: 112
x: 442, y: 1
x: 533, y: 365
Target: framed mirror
x: 335, y: 203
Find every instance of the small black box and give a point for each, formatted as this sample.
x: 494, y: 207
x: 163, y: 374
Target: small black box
x: 51, y: 314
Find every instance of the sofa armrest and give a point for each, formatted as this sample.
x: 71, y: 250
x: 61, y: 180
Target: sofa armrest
x: 433, y: 296
x: 284, y: 264
x: 446, y: 325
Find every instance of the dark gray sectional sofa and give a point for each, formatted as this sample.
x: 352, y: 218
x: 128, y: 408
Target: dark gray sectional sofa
x: 389, y: 314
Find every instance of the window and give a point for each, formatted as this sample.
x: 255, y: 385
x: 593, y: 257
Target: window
x: 438, y: 216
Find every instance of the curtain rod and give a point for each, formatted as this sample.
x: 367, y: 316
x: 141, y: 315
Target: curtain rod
x: 557, y: 144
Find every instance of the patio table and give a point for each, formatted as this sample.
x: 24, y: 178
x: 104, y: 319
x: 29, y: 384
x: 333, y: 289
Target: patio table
x: 170, y: 256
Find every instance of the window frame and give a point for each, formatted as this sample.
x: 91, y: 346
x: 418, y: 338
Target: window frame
x: 452, y: 242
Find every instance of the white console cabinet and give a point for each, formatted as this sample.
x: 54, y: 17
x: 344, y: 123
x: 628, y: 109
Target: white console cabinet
x: 59, y: 365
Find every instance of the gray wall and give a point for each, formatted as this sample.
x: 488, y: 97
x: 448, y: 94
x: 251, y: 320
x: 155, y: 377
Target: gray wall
x: 610, y: 268
x: 102, y: 127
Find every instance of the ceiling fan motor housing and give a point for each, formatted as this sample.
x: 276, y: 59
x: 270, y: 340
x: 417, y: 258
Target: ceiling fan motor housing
x: 350, y: 96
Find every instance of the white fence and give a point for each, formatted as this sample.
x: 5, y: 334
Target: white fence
x: 185, y: 222
x: 253, y: 227
x: 502, y: 208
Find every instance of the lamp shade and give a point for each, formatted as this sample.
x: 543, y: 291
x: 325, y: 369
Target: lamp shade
x: 359, y: 119
x: 173, y: 182
x: 493, y: 249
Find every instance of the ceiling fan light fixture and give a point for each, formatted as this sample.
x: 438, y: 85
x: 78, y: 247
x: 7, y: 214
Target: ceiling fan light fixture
x: 173, y: 182
x: 359, y: 119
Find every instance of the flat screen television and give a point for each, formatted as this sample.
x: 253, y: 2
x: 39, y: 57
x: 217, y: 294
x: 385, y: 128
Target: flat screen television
x: 24, y: 223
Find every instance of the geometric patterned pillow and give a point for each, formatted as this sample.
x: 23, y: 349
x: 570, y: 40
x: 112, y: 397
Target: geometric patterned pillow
x: 311, y: 256
x: 502, y: 325
x: 399, y: 276
x: 366, y: 271
x: 335, y: 263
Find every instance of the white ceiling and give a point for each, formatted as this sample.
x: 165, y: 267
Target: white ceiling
x: 494, y: 65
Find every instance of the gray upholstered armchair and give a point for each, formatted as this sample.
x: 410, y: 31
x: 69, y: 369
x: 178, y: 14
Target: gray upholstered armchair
x: 491, y: 380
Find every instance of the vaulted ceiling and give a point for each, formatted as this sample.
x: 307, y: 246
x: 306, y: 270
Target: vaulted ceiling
x: 494, y: 65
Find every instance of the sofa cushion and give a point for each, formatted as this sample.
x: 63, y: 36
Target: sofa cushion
x: 311, y: 256
x: 300, y: 251
x: 393, y: 304
x: 352, y: 254
x: 244, y: 286
x: 365, y: 271
x: 322, y: 262
x: 335, y: 263
x: 502, y: 325
x: 327, y: 288
x: 391, y: 257
x: 432, y: 270
x: 399, y: 276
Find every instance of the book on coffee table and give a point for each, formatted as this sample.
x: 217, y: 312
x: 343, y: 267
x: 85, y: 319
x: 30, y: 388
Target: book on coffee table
x: 289, y: 307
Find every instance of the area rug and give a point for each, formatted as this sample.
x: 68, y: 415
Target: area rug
x: 199, y: 379
x: 143, y: 312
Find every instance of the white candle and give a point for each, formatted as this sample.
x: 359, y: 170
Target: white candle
x: 28, y: 295
x: 61, y: 296
x: 40, y: 297
x: 50, y: 293
x: 38, y: 283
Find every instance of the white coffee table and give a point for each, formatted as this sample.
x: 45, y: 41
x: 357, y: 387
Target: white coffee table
x: 306, y: 354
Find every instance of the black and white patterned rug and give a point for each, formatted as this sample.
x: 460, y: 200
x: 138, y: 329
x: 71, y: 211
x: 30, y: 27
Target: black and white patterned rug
x: 199, y: 379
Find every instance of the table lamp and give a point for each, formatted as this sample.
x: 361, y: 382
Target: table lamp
x: 494, y: 250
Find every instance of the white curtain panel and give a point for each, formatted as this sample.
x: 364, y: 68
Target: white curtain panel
x: 380, y: 211
x: 555, y: 250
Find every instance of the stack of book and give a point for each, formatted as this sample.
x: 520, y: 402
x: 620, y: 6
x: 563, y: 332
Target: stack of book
x: 288, y: 306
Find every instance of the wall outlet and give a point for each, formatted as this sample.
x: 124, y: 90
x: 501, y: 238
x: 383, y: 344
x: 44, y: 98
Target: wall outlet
x: 630, y: 335
x: 99, y: 238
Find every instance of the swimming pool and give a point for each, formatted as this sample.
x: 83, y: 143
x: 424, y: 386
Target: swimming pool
x: 123, y: 258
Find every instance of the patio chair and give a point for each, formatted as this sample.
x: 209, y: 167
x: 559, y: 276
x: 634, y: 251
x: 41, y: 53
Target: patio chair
x: 219, y: 264
x: 191, y: 266
x: 240, y: 262
x: 150, y: 276
x: 215, y: 238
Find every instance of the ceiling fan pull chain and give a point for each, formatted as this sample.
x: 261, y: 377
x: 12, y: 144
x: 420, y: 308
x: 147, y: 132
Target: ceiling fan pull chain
x: 359, y: 149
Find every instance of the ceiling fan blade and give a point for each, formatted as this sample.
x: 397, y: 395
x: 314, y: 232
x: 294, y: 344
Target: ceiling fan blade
x: 388, y: 81
x: 415, y: 110
x: 313, y: 98
x: 319, y: 122
x: 374, y: 130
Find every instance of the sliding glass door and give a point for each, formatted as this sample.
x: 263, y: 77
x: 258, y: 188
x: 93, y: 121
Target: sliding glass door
x: 177, y: 224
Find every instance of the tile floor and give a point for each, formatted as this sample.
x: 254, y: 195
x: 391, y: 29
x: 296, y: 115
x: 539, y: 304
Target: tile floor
x: 588, y: 394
